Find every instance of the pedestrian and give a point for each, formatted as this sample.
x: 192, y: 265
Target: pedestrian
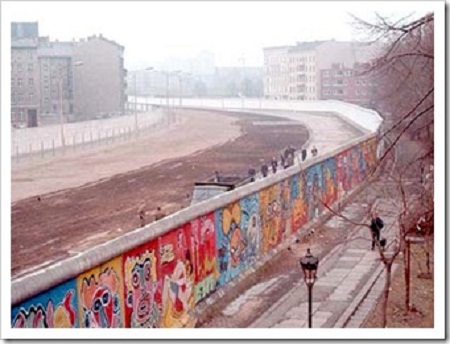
x: 304, y: 153
x: 264, y: 170
x: 375, y: 227
x: 159, y: 214
x: 217, y: 176
x: 252, y: 174
x: 141, y: 213
x: 274, y: 165
x: 283, y: 161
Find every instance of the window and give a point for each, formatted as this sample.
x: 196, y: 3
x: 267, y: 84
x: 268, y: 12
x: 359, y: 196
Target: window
x: 55, y: 108
x: 30, y: 67
x: 19, y: 82
x: 12, y: 82
x: 338, y: 92
x: 30, y: 82
x: 357, y: 92
x: 327, y: 92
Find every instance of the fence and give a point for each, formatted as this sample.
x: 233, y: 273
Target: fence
x: 42, y: 141
x: 156, y: 275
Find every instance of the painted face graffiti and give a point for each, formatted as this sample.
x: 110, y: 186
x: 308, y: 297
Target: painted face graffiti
x: 101, y: 300
x: 233, y: 243
x: 140, y: 280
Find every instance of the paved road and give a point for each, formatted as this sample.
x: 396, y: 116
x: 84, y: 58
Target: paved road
x: 341, y: 281
x: 327, y: 131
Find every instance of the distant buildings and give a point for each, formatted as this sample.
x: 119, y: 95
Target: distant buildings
x: 55, y: 81
x: 99, y: 79
x: 294, y: 72
x: 24, y: 74
x: 347, y: 84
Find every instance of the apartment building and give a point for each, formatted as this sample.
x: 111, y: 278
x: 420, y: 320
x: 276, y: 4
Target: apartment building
x: 99, y: 78
x: 56, y: 81
x: 24, y: 74
x: 294, y: 72
x: 348, y: 84
x: 276, y: 72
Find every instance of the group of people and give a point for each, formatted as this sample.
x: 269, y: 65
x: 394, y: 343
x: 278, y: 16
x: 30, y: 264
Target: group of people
x: 286, y: 160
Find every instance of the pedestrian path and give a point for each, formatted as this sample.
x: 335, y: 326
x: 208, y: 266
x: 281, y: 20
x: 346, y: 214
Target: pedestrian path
x: 340, y: 286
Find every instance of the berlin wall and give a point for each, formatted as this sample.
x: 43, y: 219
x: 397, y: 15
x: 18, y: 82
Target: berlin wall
x: 156, y: 275
x: 35, y: 140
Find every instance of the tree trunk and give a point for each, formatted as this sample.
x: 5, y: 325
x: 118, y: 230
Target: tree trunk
x: 407, y: 272
x: 387, y: 286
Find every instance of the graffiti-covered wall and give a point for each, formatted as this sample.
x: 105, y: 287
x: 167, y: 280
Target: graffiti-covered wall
x: 159, y: 283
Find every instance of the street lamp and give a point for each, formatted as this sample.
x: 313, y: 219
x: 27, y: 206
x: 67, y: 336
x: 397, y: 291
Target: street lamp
x: 309, y: 265
x: 136, y: 126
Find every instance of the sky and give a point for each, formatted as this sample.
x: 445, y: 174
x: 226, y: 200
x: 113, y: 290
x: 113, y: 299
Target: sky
x: 152, y: 31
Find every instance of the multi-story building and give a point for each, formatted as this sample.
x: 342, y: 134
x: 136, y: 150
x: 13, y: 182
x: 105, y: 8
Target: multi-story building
x: 293, y: 72
x: 276, y: 72
x: 24, y: 74
x: 99, y: 79
x: 64, y: 81
x: 348, y: 84
x: 56, y: 81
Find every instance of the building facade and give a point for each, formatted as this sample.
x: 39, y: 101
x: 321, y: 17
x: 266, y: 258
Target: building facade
x: 294, y: 72
x: 53, y: 82
x: 276, y: 72
x: 24, y: 75
x: 100, y: 78
x: 349, y: 84
x: 56, y: 81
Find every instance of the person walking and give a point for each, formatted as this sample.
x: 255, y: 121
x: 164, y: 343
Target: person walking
x: 264, y: 170
x: 375, y: 227
x: 274, y: 165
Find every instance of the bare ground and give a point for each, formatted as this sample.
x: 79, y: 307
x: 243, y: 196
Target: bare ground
x: 422, y: 297
x: 80, y: 217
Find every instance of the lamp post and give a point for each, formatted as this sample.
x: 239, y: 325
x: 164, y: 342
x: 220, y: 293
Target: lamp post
x: 136, y: 125
x: 309, y: 265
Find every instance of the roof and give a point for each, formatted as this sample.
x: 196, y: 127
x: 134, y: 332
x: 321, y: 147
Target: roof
x: 304, y: 46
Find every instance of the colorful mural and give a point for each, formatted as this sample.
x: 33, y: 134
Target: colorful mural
x: 298, y: 201
x: 100, y: 294
x: 230, y: 243
x: 329, y: 194
x: 285, y: 208
x: 270, y: 210
x: 314, y: 187
x: 142, y: 300
x: 251, y: 229
x: 55, y: 308
x: 176, y: 279
x: 158, y: 283
x: 203, y: 234
x: 344, y: 173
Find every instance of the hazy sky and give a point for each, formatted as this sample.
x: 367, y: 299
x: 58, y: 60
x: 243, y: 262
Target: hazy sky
x: 152, y: 31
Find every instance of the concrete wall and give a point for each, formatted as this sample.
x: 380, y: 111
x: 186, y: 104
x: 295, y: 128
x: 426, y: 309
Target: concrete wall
x: 368, y: 120
x: 155, y: 276
x: 35, y: 140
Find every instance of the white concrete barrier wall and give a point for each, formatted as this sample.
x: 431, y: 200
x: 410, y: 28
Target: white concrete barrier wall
x: 366, y: 119
x: 34, y: 140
